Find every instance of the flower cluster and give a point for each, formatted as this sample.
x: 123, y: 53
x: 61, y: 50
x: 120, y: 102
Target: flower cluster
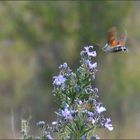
x: 45, y: 134
x: 80, y: 112
x: 25, y: 130
x: 44, y: 129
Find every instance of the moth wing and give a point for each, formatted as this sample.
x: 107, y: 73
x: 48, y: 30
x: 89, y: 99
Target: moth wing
x: 112, y: 37
x: 122, y: 39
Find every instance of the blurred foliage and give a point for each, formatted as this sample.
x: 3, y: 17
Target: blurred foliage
x: 37, y: 36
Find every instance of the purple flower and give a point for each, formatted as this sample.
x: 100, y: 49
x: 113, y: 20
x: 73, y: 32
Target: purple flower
x: 90, y: 65
x: 90, y: 114
x: 66, y: 114
x: 90, y: 117
x: 59, y: 80
x: 65, y: 65
x: 108, y: 124
x: 100, y: 109
x: 65, y: 70
x: 95, y: 90
x: 41, y: 124
x: 92, y: 91
x: 90, y: 53
x: 49, y: 137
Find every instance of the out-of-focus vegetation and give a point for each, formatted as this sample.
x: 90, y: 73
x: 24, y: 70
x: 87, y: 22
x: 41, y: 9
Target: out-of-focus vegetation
x: 37, y: 36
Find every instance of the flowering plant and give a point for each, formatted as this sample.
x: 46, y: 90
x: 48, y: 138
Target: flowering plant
x: 80, y: 112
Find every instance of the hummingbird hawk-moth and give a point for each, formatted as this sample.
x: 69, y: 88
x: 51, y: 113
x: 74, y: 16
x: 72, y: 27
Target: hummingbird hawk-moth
x: 115, y: 44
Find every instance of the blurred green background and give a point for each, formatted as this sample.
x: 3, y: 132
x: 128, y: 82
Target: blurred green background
x: 36, y: 37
